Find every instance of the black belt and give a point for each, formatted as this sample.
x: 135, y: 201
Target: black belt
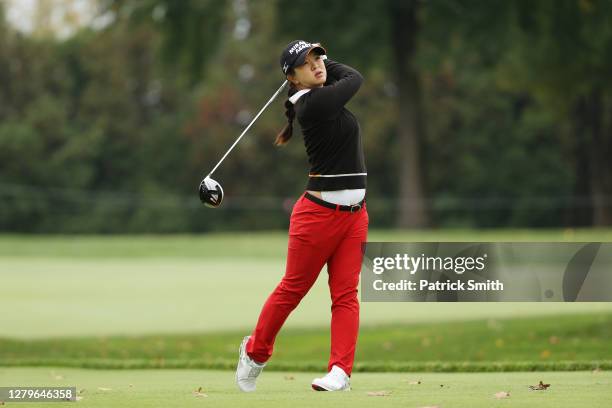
x: 352, y: 208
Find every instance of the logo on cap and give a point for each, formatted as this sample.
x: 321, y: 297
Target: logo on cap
x: 299, y: 47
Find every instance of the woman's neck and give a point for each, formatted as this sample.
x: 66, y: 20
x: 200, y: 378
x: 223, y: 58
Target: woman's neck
x: 300, y: 87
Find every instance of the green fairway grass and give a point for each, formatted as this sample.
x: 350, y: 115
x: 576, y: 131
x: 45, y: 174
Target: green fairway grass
x: 272, y: 244
x: 187, y: 301
x: 133, y: 285
x: 175, y: 388
x: 567, y: 342
x: 61, y: 297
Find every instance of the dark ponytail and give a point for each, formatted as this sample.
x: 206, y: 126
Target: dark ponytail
x: 285, y: 134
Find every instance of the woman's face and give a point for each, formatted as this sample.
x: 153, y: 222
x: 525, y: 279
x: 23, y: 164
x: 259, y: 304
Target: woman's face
x: 311, y: 74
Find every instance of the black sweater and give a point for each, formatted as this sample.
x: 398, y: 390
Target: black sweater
x: 332, y: 134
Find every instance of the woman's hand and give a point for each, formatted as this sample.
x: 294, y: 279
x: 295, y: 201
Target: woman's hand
x: 331, y: 78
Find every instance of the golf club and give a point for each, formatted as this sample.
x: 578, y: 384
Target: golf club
x: 211, y: 192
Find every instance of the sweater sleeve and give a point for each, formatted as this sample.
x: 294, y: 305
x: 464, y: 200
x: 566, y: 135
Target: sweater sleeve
x: 342, y: 83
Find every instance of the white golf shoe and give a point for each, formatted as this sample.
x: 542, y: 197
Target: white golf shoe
x: 335, y: 380
x: 247, y: 370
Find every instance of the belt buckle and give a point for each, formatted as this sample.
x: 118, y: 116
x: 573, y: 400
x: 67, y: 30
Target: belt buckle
x: 358, y: 206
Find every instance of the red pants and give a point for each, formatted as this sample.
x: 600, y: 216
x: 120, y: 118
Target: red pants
x: 318, y: 235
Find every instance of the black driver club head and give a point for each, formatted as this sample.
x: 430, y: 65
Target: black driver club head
x: 211, y: 193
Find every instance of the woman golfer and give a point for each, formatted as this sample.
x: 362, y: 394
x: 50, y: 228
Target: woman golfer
x: 328, y: 222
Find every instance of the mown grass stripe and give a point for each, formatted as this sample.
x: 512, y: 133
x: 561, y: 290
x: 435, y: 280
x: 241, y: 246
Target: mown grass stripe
x: 313, y: 366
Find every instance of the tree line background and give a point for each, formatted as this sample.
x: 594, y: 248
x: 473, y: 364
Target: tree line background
x: 474, y: 114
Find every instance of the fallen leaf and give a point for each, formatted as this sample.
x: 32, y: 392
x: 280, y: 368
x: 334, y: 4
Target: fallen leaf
x: 379, y: 393
x: 289, y: 377
x: 540, y: 386
x: 199, y: 393
x: 553, y: 340
x: 502, y: 394
x: 104, y: 389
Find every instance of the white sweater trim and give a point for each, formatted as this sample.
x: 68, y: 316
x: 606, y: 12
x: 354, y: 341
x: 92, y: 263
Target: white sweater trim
x: 294, y: 98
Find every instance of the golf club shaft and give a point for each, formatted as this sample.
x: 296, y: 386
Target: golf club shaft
x: 247, y: 128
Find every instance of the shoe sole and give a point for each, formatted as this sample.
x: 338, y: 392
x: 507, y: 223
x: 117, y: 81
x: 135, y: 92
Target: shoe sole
x: 317, y: 387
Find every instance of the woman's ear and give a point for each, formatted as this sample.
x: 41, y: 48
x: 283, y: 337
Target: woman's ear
x: 292, y: 79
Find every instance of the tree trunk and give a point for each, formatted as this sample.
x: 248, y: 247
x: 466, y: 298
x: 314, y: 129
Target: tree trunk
x: 404, y: 29
x: 580, y: 209
x: 594, y: 149
x: 601, y: 168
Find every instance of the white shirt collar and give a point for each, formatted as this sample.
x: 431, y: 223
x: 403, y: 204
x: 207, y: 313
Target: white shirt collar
x: 297, y: 95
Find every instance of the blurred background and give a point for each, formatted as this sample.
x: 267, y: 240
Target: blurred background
x: 482, y: 121
x: 474, y: 114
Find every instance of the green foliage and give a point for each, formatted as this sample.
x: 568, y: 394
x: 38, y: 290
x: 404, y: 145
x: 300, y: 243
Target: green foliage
x: 567, y: 45
x: 79, y: 116
x: 191, y: 29
x: 113, y: 129
x: 356, y: 32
